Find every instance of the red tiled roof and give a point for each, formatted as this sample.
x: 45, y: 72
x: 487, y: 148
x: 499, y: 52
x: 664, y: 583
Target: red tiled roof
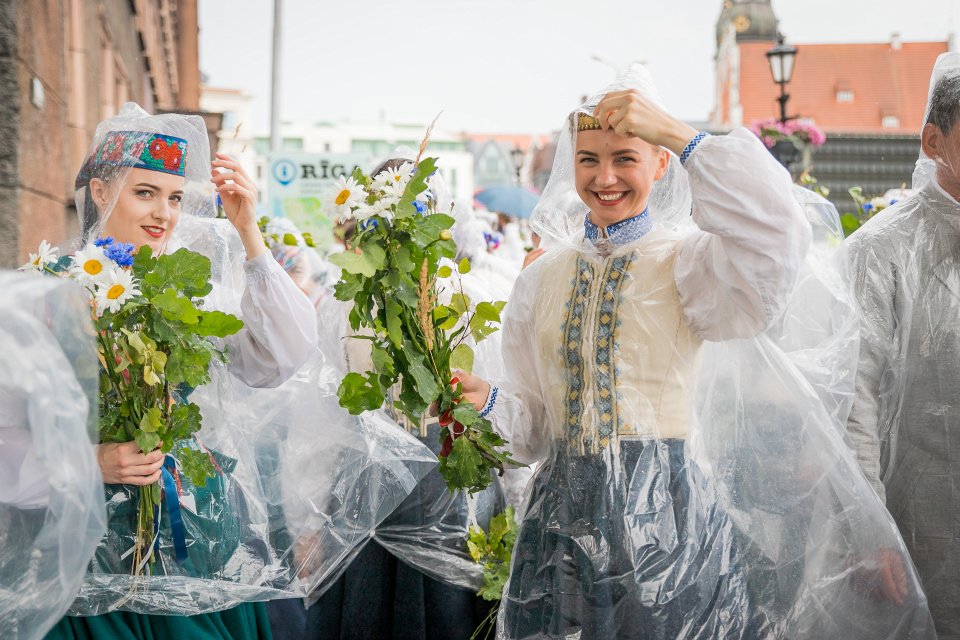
x: 884, y: 81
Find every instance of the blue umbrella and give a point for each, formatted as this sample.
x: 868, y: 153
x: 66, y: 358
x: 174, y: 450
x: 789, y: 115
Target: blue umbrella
x: 508, y: 199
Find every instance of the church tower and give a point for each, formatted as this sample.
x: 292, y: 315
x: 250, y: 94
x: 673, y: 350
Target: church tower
x: 740, y: 21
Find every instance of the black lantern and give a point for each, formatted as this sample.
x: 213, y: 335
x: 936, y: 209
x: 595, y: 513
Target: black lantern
x: 517, y: 155
x: 781, y: 59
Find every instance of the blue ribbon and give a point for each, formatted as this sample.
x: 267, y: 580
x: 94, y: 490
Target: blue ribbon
x: 177, y: 527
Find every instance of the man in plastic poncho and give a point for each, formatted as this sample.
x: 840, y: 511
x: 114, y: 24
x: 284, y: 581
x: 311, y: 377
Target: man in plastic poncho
x: 905, y: 423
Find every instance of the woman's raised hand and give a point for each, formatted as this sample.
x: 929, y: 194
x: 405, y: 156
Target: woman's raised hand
x: 238, y: 194
x: 630, y: 113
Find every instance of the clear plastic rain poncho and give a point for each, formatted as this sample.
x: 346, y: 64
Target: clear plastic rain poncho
x: 300, y: 483
x: 51, y: 491
x: 683, y: 378
x: 905, y: 421
x: 490, y: 279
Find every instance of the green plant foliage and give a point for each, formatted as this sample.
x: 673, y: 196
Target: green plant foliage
x: 491, y: 550
x: 390, y: 273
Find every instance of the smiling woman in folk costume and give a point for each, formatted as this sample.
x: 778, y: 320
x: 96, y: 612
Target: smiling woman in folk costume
x: 694, y: 482
x: 146, y: 179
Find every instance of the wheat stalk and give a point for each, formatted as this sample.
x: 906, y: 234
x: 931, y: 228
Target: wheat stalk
x: 427, y: 300
x: 426, y: 138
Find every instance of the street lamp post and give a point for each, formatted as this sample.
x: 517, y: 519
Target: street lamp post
x: 517, y: 155
x: 781, y: 59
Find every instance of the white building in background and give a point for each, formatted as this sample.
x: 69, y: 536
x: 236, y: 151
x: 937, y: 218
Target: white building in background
x: 372, y: 142
x: 236, y: 131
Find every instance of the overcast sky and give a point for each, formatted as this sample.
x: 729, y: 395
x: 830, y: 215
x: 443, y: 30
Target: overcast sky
x: 504, y: 65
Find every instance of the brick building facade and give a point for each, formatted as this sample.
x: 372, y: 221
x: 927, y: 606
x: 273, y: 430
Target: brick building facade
x: 64, y: 66
x: 868, y: 97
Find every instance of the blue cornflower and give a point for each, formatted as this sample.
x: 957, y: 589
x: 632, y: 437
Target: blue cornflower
x: 103, y: 242
x: 121, y: 253
x: 867, y: 208
x: 893, y: 202
x: 368, y: 223
x: 421, y: 207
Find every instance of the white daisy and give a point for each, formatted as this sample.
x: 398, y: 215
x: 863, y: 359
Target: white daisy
x: 346, y: 195
x: 380, y: 207
x: 90, y: 265
x: 395, y: 178
x: 118, y: 287
x: 46, y: 254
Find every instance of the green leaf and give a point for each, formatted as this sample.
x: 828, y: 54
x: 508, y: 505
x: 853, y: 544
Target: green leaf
x: 402, y: 287
x: 446, y: 316
x: 371, y: 259
x: 444, y: 272
x: 485, y: 321
x: 460, y: 303
x: 176, y: 307
x: 196, y: 465
x: 348, y: 288
x: 466, y: 414
x: 394, y: 324
x: 151, y: 422
x: 428, y: 228
x: 183, y: 270
x: 426, y: 384
x: 404, y: 259
x: 135, y: 340
x: 189, y: 366
x: 219, y: 324
x: 464, y: 466
x: 462, y: 358
x: 359, y: 393
x: 382, y: 361
x: 185, y: 420
x: 464, y: 266
x: 146, y: 441
x: 850, y: 223
x: 290, y: 240
x: 415, y: 186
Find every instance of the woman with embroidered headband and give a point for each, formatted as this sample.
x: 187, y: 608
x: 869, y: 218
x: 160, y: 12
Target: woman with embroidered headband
x: 147, y: 183
x: 693, y: 479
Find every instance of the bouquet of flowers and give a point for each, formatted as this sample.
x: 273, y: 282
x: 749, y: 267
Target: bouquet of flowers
x: 391, y: 272
x: 154, y: 345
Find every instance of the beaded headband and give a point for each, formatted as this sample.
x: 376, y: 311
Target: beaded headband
x: 585, y: 122
x: 137, y: 149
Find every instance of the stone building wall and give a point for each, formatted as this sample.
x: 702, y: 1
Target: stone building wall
x: 64, y: 66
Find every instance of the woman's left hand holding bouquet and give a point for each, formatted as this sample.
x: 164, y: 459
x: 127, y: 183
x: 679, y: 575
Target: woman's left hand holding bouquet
x: 239, y: 197
x: 122, y: 463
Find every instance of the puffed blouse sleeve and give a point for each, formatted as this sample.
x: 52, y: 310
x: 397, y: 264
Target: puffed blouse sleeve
x: 736, y: 273
x: 280, y: 326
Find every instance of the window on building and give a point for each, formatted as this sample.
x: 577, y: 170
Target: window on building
x: 326, y: 147
x: 844, y: 95
x: 891, y: 122
x: 491, y: 165
x: 292, y: 144
x: 229, y: 121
